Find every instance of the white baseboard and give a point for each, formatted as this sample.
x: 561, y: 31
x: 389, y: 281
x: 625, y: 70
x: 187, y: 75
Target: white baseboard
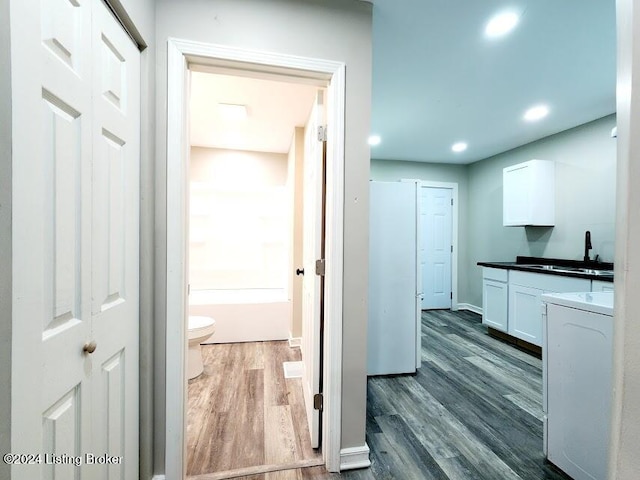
x: 158, y: 477
x: 295, y: 342
x: 354, y: 457
x: 471, y: 308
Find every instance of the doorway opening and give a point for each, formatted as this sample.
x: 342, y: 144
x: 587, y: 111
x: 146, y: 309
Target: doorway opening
x: 185, y: 56
x: 251, y: 142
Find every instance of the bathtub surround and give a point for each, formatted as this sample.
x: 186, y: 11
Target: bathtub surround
x: 238, y: 220
x: 238, y: 245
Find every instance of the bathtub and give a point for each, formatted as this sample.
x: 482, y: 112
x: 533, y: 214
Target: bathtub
x: 251, y: 315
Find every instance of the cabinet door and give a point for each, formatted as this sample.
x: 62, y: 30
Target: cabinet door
x: 494, y: 302
x: 528, y: 193
x: 525, y: 314
x: 517, y: 191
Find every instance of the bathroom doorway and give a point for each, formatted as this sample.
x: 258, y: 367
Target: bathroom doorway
x: 251, y: 205
x: 184, y: 55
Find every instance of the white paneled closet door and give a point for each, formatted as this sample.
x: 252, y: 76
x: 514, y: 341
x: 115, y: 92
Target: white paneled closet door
x: 75, y: 256
x: 115, y: 242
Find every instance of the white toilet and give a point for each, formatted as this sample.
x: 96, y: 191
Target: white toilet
x: 200, y: 329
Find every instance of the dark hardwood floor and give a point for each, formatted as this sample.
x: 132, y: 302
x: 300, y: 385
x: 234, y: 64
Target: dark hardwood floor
x: 473, y: 411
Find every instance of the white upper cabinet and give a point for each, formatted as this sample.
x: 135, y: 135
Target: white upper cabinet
x: 529, y: 194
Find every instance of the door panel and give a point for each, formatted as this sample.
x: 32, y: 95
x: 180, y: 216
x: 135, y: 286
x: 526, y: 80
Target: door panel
x: 436, y: 224
x: 60, y: 435
x: 312, y: 251
x: 51, y: 103
x: 115, y: 181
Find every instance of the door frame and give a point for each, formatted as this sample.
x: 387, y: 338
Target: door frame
x: 181, y: 56
x: 454, y: 234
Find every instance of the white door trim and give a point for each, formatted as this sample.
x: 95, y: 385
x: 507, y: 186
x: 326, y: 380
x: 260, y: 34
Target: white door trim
x: 454, y: 236
x: 181, y: 55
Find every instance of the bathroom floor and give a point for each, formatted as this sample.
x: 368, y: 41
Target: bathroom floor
x: 243, y: 412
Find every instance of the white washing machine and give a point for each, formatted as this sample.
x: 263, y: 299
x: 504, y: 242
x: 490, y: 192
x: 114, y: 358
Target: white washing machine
x: 577, y: 357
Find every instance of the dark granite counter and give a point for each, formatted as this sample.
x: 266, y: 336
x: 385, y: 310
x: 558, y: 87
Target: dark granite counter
x: 554, y: 266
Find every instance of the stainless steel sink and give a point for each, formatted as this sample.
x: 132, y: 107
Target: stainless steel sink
x: 588, y: 271
x: 557, y: 268
x: 592, y: 271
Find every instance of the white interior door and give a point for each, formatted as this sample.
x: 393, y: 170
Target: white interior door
x: 436, y: 224
x: 312, y: 251
x: 58, y: 146
x: 115, y: 230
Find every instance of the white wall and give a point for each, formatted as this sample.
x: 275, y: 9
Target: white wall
x: 624, y: 459
x: 239, y: 219
x: 585, y: 159
x: 5, y: 235
x: 394, y: 170
x: 338, y: 30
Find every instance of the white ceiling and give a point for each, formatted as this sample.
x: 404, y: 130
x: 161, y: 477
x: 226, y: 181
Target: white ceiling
x: 437, y: 80
x: 274, y: 110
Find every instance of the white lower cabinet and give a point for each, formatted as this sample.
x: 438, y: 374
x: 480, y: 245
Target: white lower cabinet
x: 512, y: 303
x: 525, y: 302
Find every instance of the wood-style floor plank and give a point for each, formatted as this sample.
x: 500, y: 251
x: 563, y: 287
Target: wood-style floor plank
x: 243, y: 413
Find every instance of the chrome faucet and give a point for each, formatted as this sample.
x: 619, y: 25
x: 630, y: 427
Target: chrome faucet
x: 587, y: 245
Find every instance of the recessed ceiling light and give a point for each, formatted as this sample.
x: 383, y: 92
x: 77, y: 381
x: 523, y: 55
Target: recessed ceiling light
x: 374, y: 140
x: 536, y: 113
x: 501, y: 24
x: 459, y: 147
x: 230, y: 111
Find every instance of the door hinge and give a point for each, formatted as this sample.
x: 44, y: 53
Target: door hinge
x: 452, y: 201
x: 451, y: 248
x: 322, y: 133
x: 317, y: 401
x: 320, y: 267
x: 451, y: 295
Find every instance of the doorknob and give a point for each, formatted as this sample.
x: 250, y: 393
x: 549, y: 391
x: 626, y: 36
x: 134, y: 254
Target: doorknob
x: 90, y: 347
x: 299, y: 271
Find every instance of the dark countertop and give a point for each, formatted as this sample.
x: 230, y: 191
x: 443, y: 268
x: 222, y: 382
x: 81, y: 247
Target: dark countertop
x: 525, y: 264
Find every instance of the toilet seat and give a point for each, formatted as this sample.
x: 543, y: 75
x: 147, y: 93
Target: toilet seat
x: 199, y: 326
